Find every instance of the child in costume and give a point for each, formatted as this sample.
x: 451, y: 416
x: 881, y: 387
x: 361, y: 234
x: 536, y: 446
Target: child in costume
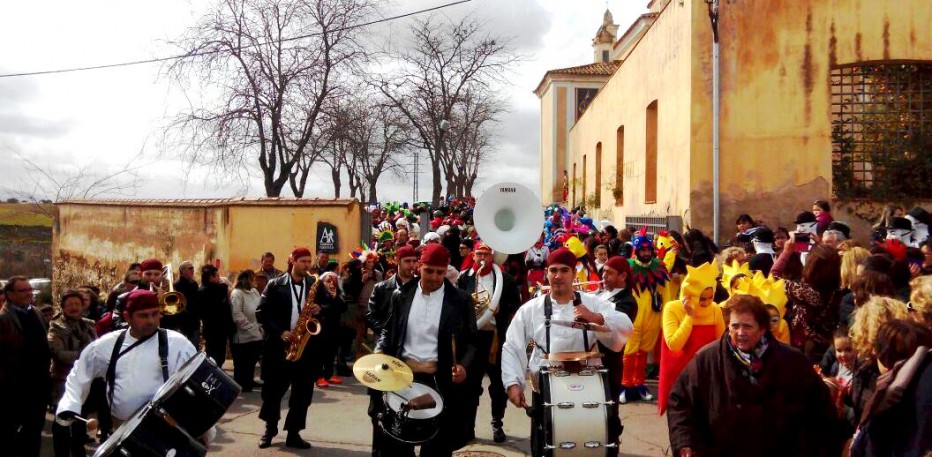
x: 585, y: 269
x: 650, y: 288
x: 688, y: 324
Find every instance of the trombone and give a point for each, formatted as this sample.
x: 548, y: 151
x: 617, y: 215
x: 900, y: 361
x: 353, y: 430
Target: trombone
x: 171, y: 302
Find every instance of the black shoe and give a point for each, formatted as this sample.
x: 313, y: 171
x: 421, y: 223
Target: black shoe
x: 266, y: 439
x: 294, y: 440
x: 498, y: 435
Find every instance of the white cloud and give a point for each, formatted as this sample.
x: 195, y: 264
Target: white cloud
x: 106, y: 116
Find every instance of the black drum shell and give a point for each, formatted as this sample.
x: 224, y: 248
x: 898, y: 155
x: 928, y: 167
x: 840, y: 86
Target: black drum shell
x: 152, y: 436
x: 198, y: 395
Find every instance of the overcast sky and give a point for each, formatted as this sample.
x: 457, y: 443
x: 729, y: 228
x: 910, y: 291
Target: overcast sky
x: 103, y: 117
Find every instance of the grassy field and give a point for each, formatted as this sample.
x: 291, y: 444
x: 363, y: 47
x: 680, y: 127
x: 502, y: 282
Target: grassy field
x: 22, y: 214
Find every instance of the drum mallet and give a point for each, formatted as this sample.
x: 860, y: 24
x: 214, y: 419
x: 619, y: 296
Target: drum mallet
x: 91, y: 424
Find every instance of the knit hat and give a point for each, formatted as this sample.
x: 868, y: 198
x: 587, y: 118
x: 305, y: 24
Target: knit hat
x: 562, y: 256
x: 435, y: 255
x: 404, y: 252
x: 619, y: 264
x: 300, y: 252
x: 150, y: 264
x: 140, y: 299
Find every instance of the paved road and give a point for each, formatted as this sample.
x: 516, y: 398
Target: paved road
x: 338, y: 426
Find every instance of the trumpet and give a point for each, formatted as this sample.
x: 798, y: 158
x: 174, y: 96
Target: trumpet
x: 580, y: 286
x: 171, y: 302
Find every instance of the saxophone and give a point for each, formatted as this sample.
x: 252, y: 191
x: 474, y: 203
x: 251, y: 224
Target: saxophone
x: 482, y: 299
x: 306, y: 327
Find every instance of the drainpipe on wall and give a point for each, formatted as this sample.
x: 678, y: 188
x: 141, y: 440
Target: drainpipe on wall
x: 713, y: 17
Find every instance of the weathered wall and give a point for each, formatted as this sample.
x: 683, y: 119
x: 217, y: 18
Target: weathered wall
x: 253, y: 230
x: 107, y: 238
x: 549, y: 177
x: 658, y: 68
x: 776, y: 59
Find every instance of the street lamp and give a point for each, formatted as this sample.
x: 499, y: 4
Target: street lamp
x: 713, y: 18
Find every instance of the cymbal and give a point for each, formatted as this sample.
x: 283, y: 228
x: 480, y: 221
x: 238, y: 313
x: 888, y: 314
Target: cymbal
x: 382, y: 372
x: 572, y: 356
x: 581, y: 325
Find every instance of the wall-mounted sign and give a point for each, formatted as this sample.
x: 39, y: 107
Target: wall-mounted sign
x: 327, y: 238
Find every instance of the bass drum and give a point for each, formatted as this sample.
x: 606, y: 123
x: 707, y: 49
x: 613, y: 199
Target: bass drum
x: 576, y: 409
x: 149, y: 433
x: 412, y: 427
x: 197, y: 395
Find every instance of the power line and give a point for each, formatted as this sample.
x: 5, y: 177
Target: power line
x: 204, y: 53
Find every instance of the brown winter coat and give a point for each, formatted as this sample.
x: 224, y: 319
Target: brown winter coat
x: 716, y: 410
x: 67, y: 338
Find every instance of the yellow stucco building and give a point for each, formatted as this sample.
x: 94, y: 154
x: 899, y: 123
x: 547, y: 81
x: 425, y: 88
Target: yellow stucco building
x: 643, y: 145
x: 95, y: 240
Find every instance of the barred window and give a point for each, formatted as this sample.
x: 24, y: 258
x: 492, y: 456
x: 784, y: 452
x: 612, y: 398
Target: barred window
x: 882, y: 130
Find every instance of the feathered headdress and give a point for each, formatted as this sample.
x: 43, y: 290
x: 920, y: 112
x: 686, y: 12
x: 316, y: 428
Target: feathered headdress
x: 642, y: 240
x: 363, y: 253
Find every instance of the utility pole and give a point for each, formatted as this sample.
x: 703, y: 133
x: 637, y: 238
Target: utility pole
x: 416, y: 172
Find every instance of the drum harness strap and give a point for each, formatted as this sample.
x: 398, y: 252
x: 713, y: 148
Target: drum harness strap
x: 111, y: 369
x: 548, y: 313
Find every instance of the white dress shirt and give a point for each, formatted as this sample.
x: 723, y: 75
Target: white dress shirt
x: 138, y: 372
x: 297, y: 298
x: 421, y: 336
x: 529, y: 325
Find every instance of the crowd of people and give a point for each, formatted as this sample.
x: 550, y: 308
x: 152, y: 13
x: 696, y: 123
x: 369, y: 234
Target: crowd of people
x: 811, y: 341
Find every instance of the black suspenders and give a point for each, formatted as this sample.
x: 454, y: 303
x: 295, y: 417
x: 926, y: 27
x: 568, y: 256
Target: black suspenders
x: 116, y: 354
x: 548, y: 313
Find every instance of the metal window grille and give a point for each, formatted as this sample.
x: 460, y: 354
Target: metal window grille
x: 655, y: 224
x: 874, y: 108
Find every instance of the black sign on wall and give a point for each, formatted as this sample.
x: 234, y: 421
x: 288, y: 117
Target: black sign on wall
x: 327, y: 238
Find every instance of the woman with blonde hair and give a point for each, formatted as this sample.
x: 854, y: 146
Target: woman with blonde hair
x: 868, y: 319
x: 849, y: 265
x: 920, y: 301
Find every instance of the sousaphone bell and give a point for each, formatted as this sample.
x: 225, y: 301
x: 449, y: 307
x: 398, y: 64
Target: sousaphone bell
x: 509, y: 218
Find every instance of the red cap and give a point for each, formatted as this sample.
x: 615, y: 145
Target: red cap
x: 150, y: 264
x: 562, y: 256
x: 481, y: 246
x: 300, y: 252
x: 140, y: 299
x: 619, y: 264
x: 405, y: 251
x: 435, y: 255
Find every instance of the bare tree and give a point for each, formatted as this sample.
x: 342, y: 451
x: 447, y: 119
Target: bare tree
x: 43, y: 185
x: 444, y: 61
x: 267, y: 80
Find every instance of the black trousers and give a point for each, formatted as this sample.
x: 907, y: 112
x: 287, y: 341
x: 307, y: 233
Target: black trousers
x: 216, y: 348
x: 69, y: 440
x: 280, y: 375
x: 327, y: 343
x: 22, y: 418
x: 449, y: 436
x: 245, y: 357
x: 481, y: 367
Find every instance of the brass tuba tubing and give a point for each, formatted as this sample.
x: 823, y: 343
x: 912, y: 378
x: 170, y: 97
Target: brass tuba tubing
x: 171, y: 302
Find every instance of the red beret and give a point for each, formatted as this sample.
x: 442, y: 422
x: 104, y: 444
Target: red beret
x: 405, y: 251
x: 300, y: 252
x: 481, y: 246
x: 619, y: 264
x: 140, y: 299
x: 150, y: 264
x: 435, y: 255
x: 562, y: 256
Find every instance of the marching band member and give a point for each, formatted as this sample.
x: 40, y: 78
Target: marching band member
x: 135, y: 362
x: 430, y: 319
x: 616, y: 276
x: 151, y: 278
x: 492, y: 324
x: 278, y: 312
x: 380, y: 300
x: 530, y: 324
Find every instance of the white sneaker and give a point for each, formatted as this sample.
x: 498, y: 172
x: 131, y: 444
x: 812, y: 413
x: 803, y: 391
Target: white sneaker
x: 621, y: 398
x: 645, y: 394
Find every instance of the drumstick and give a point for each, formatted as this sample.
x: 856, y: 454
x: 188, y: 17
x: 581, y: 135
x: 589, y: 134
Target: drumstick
x: 454, y: 351
x: 91, y: 423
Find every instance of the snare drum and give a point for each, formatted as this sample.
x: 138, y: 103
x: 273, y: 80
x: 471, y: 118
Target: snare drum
x: 412, y: 427
x: 197, y: 395
x: 150, y: 433
x: 576, y: 409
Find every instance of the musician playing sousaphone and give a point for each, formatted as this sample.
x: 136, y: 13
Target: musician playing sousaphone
x: 496, y: 298
x: 280, y: 307
x: 432, y: 328
x: 531, y: 324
